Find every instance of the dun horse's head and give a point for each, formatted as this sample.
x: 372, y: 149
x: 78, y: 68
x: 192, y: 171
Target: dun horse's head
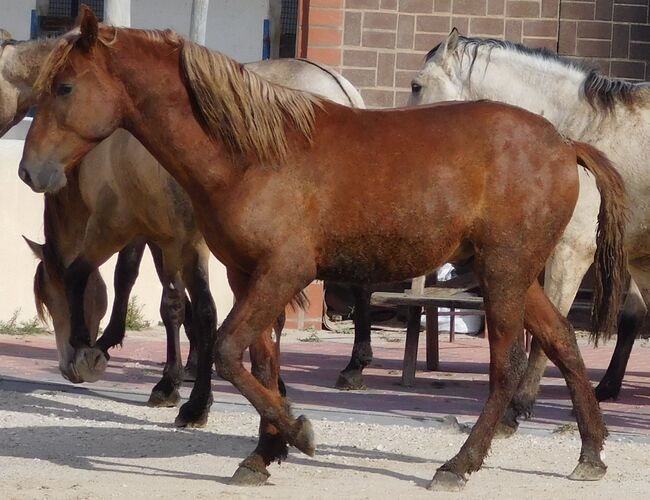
x: 51, y: 299
x: 438, y: 80
x: 80, y: 105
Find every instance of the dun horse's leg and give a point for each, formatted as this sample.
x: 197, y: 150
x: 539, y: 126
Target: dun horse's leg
x: 351, y: 377
x: 194, y: 413
x: 126, y: 272
x: 634, y: 312
x: 504, y: 310
x: 557, y: 338
x: 252, y: 315
x: 172, y: 312
x: 564, y: 272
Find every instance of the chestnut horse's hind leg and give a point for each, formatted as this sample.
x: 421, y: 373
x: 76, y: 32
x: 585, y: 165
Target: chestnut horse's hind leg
x: 351, y: 377
x: 557, y: 338
x: 504, y: 310
x: 258, y: 305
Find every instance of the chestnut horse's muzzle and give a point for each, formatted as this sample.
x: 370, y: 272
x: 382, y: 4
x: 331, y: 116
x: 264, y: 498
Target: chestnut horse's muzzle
x: 45, y: 178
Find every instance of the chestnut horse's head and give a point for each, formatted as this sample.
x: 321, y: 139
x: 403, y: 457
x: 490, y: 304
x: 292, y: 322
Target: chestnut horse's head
x: 80, y: 106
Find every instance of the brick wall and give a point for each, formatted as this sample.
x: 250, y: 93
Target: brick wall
x: 379, y: 44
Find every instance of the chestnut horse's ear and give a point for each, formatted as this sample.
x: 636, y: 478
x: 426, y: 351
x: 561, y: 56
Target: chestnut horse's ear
x: 88, y: 26
x: 37, y: 248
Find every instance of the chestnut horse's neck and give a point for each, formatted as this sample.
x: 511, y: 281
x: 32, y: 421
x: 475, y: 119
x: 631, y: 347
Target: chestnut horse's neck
x: 160, y: 111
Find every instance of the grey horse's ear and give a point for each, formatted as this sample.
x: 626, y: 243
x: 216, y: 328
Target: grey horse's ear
x: 37, y: 248
x: 446, y: 47
x: 5, y: 35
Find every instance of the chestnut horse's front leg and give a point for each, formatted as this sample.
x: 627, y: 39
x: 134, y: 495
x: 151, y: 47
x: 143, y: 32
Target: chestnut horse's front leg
x: 260, y: 299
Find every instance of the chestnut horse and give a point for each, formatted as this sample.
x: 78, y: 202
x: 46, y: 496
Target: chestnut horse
x: 287, y: 188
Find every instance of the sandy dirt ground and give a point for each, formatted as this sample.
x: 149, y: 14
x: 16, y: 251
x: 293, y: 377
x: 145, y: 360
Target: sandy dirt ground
x: 61, y: 446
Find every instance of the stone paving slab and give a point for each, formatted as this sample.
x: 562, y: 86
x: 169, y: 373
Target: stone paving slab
x: 310, y: 365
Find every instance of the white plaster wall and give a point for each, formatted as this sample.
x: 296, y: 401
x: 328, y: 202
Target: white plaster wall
x: 15, y: 17
x: 21, y: 213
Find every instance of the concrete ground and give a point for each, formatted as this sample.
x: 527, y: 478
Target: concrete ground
x: 310, y: 364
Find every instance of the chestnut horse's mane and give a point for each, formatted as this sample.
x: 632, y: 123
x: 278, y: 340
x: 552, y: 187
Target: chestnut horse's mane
x: 245, y: 111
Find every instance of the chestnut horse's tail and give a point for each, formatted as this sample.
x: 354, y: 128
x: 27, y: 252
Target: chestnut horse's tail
x: 610, y: 260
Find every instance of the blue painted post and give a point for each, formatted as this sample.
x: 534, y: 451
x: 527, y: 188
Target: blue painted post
x: 266, y: 40
x: 34, y: 31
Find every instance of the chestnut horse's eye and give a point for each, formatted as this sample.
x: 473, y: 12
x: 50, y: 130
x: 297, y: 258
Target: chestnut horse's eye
x: 63, y: 89
x: 415, y: 87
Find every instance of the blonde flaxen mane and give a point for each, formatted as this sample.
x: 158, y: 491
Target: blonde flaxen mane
x: 248, y: 113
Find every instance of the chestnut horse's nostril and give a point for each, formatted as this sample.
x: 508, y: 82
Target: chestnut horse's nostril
x: 24, y: 176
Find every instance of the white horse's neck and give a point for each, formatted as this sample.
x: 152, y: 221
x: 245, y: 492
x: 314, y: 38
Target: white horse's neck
x: 21, y: 63
x: 543, y: 86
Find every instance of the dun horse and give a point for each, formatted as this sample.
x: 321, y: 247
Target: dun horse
x: 584, y: 105
x: 81, y: 225
x: 287, y: 187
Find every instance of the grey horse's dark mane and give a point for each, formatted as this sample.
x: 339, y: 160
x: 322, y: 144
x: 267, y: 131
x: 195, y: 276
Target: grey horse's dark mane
x: 600, y: 91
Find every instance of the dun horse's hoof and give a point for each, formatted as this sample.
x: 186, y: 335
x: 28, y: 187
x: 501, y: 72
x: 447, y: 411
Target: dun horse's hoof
x: 350, y: 381
x: 445, y: 480
x: 246, y: 476
x: 588, y: 471
x: 158, y: 399
x: 191, y: 416
x: 89, y: 364
x: 304, y: 439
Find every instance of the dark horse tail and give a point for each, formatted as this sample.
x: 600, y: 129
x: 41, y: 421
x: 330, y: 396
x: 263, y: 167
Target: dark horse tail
x: 610, y: 260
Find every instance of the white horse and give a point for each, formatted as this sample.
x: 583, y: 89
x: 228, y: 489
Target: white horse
x: 612, y: 115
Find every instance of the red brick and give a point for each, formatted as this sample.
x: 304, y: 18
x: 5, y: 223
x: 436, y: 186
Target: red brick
x: 329, y: 56
x: 631, y: 13
x: 568, y: 37
x: 522, y: 8
x: 407, y: 60
x: 378, y: 98
x: 550, y: 8
x: 326, y: 17
x: 402, y: 98
x: 324, y: 37
x: 360, y: 58
x: 352, y: 29
x: 442, y: 6
x: 380, y: 20
x: 541, y: 43
x: 578, y: 10
x: 461, y: 24
x: 628, y: 69
x: 540, y: 28
x: 595, y: 29
x: 496, y: 7
x: 403, y: 79
x: 360, y: 77
x: 470, y: 7
x: 405, y: 31
x: 426, y: 41
x: 621, y: 41
x: 386, y: 70
x: 514, y: 29
x: 604, y: 10
x: 593, y: 48
x: 433, y: 24
x: 640, y: 51
x: 490, y: 26
x: 388, y: 4
x: 326, y: 3
x: 362, y: 4
x: 640, y: 33
x: 378, y: 39
x: 416, y: 6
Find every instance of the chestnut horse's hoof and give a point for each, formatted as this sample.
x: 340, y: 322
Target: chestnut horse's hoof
x: 588, y: 471
x: 158, y: 399
x: 351, y: 381
x: 246, y: 476
x: 89, y: 364
x: 304, y: 439
x: 445, y: 480
x: 191, y: 416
